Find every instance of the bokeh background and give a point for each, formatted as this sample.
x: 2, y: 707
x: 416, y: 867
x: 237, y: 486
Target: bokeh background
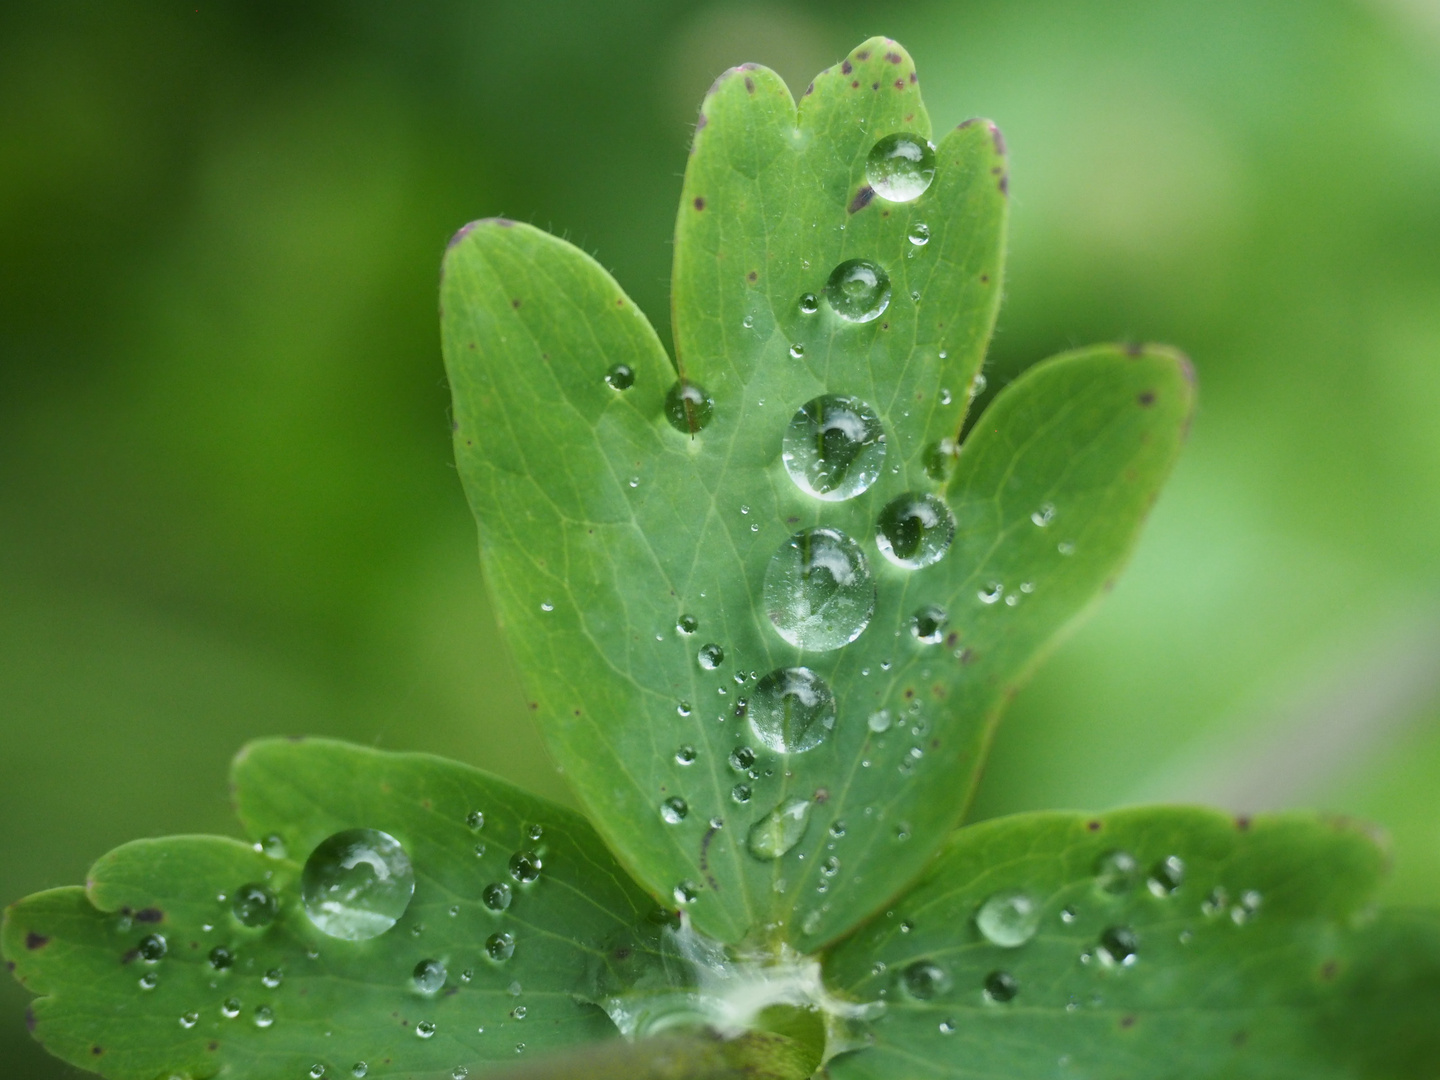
x: 227, y: 506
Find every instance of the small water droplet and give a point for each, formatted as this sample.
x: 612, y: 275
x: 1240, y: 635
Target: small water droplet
x: 500, y: 947
x: 748, y: 321
x: 1012, y: 600
x: 945, y: 397
x: 264, y: 1016
x: 685, y: 755
x: 230, y: 1008
x: 189, y: 1020
x: 900, y: 166
x: 359, y: 1070
x: 792, y: 710
x: 797, y: 350
x: 902, y: 832
x: 687, y: 624
x: 273, y: 978
x: 273, y: 846
x: 830, y: 867
x: 809, y: 304
x: 991, y: 592
x: 919, y: 234
x: 357, y: 884
x: 780, y: 830
x: 818, y: 590
x: 460, y: 1072
x: 1042, y: 517
x: 1067, y: 915
x: 858, y: 290
x: 425, y: 1029
x: 879, y: 721
x: 475, y: 819
x: 947, y: 1027
x: 925, y: 979
x: 525, y: 866
x: 221, y: 958
x: 1008, y: 919
x: 711, y: 656
x: 834, y: 447
x: 620, y: 377
x: 686, y: 893
x: 429, y: 976
x: 1117, y: 872
x: 1000, y: 986
x: 1066, y: 547
x: 479, y: 851
x: 316, y: 1072
x: 674, y: 809
x: 740, y: 793
x: 688, y: 407
x: 547, y: 605
x: 1118, y: 945
x: 1167, y: 875
x: 1246, y: 908
x: 153, y: 948
x: 940, y: 460
x: 928, y: 624
x: 915, y: 530
x: 741, y: 758
x: 149, y: 981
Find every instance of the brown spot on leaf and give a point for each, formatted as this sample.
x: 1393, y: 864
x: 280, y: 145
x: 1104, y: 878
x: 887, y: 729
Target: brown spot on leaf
x: 752, y: 276
x: 938, y: 691
x: 899, y: 84
x: 984, y: 279
x: 909, y: 693
x: 863, y: 54
x: 534, y: 705
x: 845, y: 67
x: 965, y: 124
x: 822, y: 796
x: 875, y: 86
x: 699, y: 202
x: 1243, y: 823
x: 504, y: 223
x: 96, y: 1051
x: 150, y: 915
x: 1094, y: 825
x: 1146, y: 398
x: 515, y: 303
x: 997, y: 139
x: 893, y: 57
x: 1128, y: 1020
x: 1004, y: 185
x: 914, y: 78
x: 36, y: 941
x: 967, y: 656
x: 809, y: 90
x: 700, y: 123
x: 749, y: 85
x: 855, y: 85
x: 460, y: 234
x: 861, y: 200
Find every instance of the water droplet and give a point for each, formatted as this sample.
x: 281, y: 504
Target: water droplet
x: 688, y: 407
x: 947, y: 1027
x: 945, y: 397
x: 424, y: 1029
x: 1167, y: 875
x: 685, y: 755
x: 902, y: 832
x: 189, y: 1020
x: 834, y: 447
x: 359, y: 1070
x: 1066, y: 547
x: 153, y: 948
x: 711, y: 656
x: 475, y: 819
x: 1117, y: 872
x: 879, y: 721
x: 674, y: 809
x: 1001, y: 986
x: 500, y: 947
x: 1246, y: 908
x: 687, y: 624
x: 149, y: 981
x: 991, y: 592
x: 479, y: 851
x: 900, y: 167
x: 780, y: 830
x: 797, y: 350
x: 818, y: 590
x: 273, y: 978
x: 792, y: 710
x: 809, y: 304
x: 919, y: 234
x: 221, y: 958
x: 940, y: 460
x: 686, y: 892
x: 1027, y: 587
x: 1044, y: 515
x: 858, y: 290
x: 357, y: 884
x: 748, y: 321
x: 620, y: 377
x: 1067, y: 915
x: 740, y: 793
x: 316, y: 1072
x: 518, y: 1012
x: 547, y: 606
x: 1008, y: 919
x: 830, y: 867
x: 683, y: 708
x: 915, y: 530
x: 977, y: 384
x: 525, y: 866
x: 459, y: 1072
x: 1012, y: 599
x: 928, y: 624
x: 274, y: 846
x: 264, y: 1016
x: 924, y: 979
x: 741, y: 758
x: 429, y: 976
x: 230, y: 1008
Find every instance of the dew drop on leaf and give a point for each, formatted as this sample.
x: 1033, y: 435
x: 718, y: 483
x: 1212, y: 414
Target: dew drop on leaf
x: 1167, y: 875
x: 316, y: 1071
x: 149, y: 981
x: 500, y: 947
x: 525, y: 866
x: 687, y: 624
x: 991, y: 592
x: 711, y: 656
x: 879, y: 721
x: 797, y: 350
x: 230, y: 1008
x: 915, y: 530
x: 425, y: 1029
x: 674, y: 810
x: 1042, y: 517
x: 858, y: 290
x: 273, y: 978
x: 809, y: 304
x: 221, y: 958
x: 460, y: 1072
x: 153, y: 948
x: 1008, y: 919
x: 357, y: 884
x: 924, y: 979
x: 947, y: 1027
x: 741, y: 758
x: 900, y: 167
x: 1246, y: 908
x: 254, y: 905
x: 834, y: 447
x: 740, y: 793
x: 792, y: 710
x: 818, y: 590
x: 1117, y: 872
x: 686, y: 892
x: 780, y: 830
x: 429, y: 976
x: 1001, y: 986
x: 274, y: 846
x: 919, y: 234
x: 475, y: 819
x: 685, y: 755
x: 359, y: 1070
x: 264, y: 1016
x: 688, y: 407
x: 620, y: 377
x: 928, y: 624
x: 189, y: 1020
x: 1118, y: 945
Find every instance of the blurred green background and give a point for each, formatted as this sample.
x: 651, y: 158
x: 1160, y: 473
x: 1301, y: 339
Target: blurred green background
x: 227, y: 507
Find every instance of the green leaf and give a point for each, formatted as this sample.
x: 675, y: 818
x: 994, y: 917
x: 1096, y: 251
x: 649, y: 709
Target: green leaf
x: 1256, y: 955
x: 333, y: 1002
x: 603, y: 526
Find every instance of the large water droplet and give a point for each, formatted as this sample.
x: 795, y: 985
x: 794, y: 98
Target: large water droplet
x: 1167, y: 875
x: 915, y: 530
x: 818, y: 590
x: 740, y: 793
x: 674, y: 809
x: 357, y: 884
x: 1008, y: 919
x: 429, y: 976
x: 924, y: 979
x: 500, y: 947
x: 1001, y: 986
x: 359, y: 1070
x: 525, y: 866
x: 1117, y: 872
x: 780, y: 830
x: 1118, y: 945
x: 858, y: 290
x: 688, y: 407
x: 254, y: 905
x: 153, y: 948
x: 900, y: 166
x: 792, y: 710
x: 834, y: 447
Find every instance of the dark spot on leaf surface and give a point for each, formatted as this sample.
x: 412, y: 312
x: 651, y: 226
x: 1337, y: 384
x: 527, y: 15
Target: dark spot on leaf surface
x: 126, y: 958
x: 862, y: 199
x: 855, y: 85
x: 701, y: 122
x: 894, y: 58
x: 97, y: 1050
x: 845, y: 67
x: 1243, y: 823
x: 909, y: 693
x: 899, y: 84
x: 212, y: 1047
x: 30, y: 1020
x: 875, y: 86
x: 863, y: 54
x: 749, y: 85
x: 1004, y: 185
x: 967, y: 656
x: 1146, y: 398
x: 914, y: 78
x: 1128, y: 1020
x: 699, y: 202
x: 1328, y: 970
x: 985, y: 279
x: 460, y: 234
x: 150, y: 915
x: 1240, y: 1038
x: 752, y: 276
x: 36, y: 941
x: 809, y: 90
x: 1093, y: 825
x: 515, y: 303
x: 965, y: 124
x: 504, y: 223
